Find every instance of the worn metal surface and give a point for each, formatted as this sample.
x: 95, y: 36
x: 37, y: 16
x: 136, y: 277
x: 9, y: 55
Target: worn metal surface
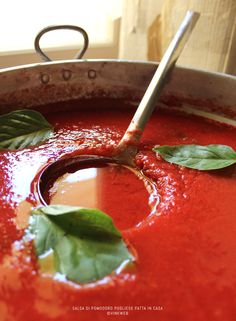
x: 190, y: 90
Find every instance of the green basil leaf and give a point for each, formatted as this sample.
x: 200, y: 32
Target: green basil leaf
x: 198, y: 157
x: 23, y: 128
x: 86, y: 245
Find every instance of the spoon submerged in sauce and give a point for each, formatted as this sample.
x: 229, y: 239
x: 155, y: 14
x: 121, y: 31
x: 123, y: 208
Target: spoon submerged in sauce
x: 126, y: 149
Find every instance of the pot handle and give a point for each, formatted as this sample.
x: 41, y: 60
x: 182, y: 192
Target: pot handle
x: 44, y: 57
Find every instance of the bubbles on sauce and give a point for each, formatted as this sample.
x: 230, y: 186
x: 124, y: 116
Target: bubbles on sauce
x: 120, y: 191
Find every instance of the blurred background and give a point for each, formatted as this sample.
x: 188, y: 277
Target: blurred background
x: 120, y: 29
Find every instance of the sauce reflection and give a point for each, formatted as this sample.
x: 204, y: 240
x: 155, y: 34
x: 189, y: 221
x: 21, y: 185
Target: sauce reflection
x: 112, y: 188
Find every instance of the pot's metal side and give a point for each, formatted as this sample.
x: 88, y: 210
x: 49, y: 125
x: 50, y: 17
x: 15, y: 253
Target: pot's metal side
x: 35, y: 85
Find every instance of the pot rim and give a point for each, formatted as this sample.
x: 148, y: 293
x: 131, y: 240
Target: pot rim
x: 118, y: 61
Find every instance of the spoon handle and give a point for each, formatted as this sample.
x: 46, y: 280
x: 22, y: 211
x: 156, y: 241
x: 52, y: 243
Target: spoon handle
x: 152, y: 94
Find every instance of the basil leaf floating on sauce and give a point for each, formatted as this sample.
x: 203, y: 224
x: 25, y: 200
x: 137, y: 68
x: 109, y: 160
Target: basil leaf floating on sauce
x: 22, y: 128
x: 198, y: 157
x: 85, y: 244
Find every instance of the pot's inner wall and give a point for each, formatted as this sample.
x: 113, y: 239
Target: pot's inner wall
x: 31, y: 87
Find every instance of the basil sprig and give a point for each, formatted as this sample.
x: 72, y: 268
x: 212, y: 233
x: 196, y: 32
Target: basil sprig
x: 198, y: 157
x: 22, y: 128
x: 85, y: 244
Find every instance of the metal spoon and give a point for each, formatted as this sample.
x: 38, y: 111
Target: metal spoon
x: 127, y: 147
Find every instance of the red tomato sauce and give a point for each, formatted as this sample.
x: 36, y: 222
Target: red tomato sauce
x: 185, y: 265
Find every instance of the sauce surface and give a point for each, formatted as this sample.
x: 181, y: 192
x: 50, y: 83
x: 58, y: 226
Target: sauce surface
x: 185, y: 250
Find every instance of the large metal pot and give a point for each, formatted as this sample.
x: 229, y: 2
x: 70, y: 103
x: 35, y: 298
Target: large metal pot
x: 208, y: 94
x: 204, y: 93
